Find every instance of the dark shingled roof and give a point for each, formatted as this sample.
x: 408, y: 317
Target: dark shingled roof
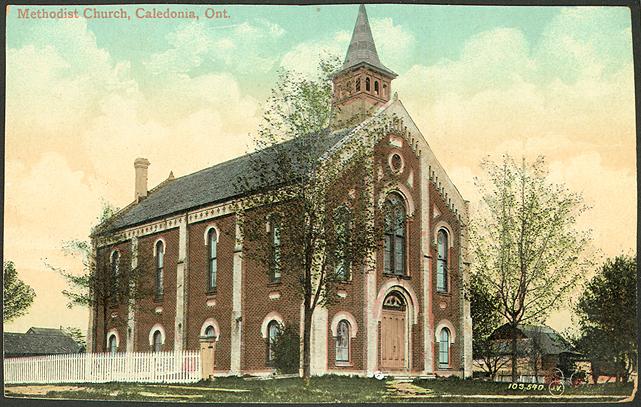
x: 39, y: 341
x: 214, y: 184
x: 551, y: 342
x: 362, y: 49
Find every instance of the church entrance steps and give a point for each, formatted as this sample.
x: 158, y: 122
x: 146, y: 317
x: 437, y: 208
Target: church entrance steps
x: 406, y: 389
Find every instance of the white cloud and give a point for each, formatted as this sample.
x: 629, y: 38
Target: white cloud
x: 393, y: 42
x: 246, y: 47
x: 97, y: 121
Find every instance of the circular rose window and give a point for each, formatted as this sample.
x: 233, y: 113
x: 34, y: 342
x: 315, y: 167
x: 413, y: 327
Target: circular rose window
x: 396, y: 163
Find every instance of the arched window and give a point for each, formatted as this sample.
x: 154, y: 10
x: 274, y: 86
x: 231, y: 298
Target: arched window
x: 160, y: 266
x: 394, y: 254
x: 367, y: 87
x: 358, y: 84
x: 273, y: 330
x: 444, y: 348
x: 113, y: 344
x: 441, y: 261
x: 376, y: 87
x: 275, y: 230
x: 210, y: 332
x: 384, y: 90
x: 115, y: 273
x: 212, y: 241
x: 342, y: 341
x: 157, y: 341
x: 342, y: 226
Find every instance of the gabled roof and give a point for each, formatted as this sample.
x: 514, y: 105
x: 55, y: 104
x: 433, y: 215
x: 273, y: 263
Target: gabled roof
x: 550, y: 341
x: 39, y: 341
x: 362, y: 49
x: 215, y: 184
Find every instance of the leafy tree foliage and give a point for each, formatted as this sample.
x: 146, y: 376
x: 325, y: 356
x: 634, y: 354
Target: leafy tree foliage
x: 486, y: 317
x: 286, y: 348
x: 77, y: 335
x: 525, y: 242
x: 316, y: 204
x: 96, y: 287
x: 18, y: 296
x: 608, y: 319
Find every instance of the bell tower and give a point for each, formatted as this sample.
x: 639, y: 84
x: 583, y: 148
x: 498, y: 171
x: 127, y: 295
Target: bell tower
x: 363, y: 84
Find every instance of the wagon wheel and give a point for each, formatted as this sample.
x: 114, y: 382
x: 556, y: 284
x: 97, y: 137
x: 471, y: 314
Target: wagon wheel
x: 579, y: 378
x: 558, y: 374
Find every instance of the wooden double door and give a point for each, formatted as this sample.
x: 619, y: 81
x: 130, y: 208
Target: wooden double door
x: 393, y: 340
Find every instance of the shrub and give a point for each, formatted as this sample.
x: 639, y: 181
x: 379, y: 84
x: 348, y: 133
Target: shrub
x: 286, y: 350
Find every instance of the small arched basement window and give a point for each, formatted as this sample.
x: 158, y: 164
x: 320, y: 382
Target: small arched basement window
x: 273, y: 330
x: 342, y: 341
x: 444, y: 348
x: 113, y: 344
x: 157, y: 341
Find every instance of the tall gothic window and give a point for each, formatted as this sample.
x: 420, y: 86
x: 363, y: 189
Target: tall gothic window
x: 273, y: 330
x: 358, y: 84
x: 115, y: 276
x: 342, y: 225
x: 367, y: 87
x: 376, y: 87
x: 444, y: 348
x: 395, y: 217
x: 441, y: 262
x: 342, y: 341
x: 212, y: 241
x: 275, y: 233
x: 160, y: 266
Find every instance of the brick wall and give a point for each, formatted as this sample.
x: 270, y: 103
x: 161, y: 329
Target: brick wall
x: 198, y: 284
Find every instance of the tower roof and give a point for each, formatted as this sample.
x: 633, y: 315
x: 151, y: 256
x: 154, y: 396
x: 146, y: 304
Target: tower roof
x: 362, y: 49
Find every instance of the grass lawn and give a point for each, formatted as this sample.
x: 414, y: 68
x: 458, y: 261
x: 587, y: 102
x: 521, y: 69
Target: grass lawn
x: 330, y: 389
x: 454, y: 389
x: 327, y: 389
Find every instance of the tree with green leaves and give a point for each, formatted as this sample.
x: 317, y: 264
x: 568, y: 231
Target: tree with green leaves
x: 77, y: 335
x: 100, y: 286
x: 486, y: 318
x: 608, y: 321
x: 308, y: 215
x: 525, y: 242
x: 18, y: 296
x: 286, y: 348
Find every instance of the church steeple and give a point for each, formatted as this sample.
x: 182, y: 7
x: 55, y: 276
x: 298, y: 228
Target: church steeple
x: 363, y: 83
x: 362, y: 49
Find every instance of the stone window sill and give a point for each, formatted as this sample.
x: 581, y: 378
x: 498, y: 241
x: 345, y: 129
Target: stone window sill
x: 401, y: 276
x: 344, y: 364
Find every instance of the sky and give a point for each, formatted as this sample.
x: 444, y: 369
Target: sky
x: 85, y: 97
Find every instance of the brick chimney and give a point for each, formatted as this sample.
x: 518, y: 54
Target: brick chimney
x: 141, y: 165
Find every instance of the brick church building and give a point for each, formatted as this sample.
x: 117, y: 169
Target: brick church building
x: 407, y: 318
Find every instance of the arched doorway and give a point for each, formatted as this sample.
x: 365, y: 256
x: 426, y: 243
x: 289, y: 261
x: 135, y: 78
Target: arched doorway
x: 394, y: 336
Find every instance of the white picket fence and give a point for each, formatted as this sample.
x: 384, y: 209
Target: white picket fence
x: 160, y: 367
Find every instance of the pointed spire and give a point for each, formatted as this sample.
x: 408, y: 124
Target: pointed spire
x: 171, y: 176
x: 362, y: 49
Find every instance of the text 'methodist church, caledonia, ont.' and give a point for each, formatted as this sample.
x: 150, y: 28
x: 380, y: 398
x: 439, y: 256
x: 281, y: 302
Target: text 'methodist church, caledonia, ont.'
x: 408, y: 317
